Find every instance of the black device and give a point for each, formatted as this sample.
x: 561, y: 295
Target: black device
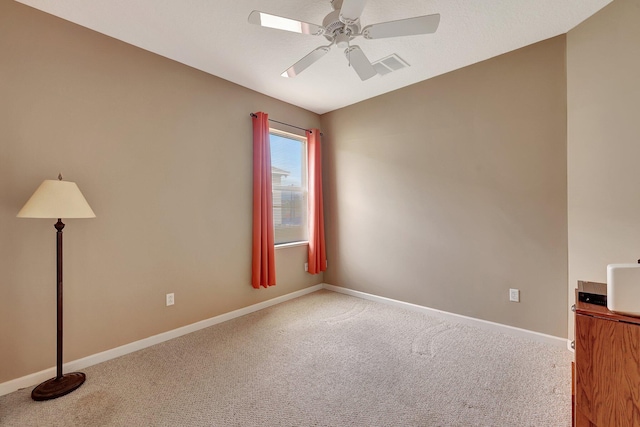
x: 592, y: 293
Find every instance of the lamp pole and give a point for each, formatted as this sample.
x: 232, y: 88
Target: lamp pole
x: 59, y: 226
x: 63, y: 383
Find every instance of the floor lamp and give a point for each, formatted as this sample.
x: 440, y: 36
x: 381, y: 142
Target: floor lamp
x: 57, y: 199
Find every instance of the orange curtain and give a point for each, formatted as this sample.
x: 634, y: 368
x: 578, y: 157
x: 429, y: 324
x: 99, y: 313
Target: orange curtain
x: 317, y: 252
x: 263, y: 269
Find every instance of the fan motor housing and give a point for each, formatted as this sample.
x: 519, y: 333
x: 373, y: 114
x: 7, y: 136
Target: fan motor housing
x: 335, y: 27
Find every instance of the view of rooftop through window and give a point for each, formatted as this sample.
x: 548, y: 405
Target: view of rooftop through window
x: 286, y: 155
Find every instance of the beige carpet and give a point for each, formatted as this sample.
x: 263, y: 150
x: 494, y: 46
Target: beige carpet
x: 324, y: 359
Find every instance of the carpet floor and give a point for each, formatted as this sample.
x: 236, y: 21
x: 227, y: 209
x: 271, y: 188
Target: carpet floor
x: 324, y: 359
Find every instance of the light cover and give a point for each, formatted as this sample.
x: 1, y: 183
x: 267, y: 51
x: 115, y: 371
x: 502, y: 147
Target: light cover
x: 57, y: 199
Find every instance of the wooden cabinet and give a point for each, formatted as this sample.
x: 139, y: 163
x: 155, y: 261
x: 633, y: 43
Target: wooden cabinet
x: 607, y: 368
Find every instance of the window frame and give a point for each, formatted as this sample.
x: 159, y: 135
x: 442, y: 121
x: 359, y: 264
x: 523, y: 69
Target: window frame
x: 304, y: 188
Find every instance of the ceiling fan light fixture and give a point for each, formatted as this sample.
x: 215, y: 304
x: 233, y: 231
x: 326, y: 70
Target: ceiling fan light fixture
x: 340, y: 27
x: 342, y: 40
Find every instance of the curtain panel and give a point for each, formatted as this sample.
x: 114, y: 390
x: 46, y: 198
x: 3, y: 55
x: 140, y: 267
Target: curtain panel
x: 317, y: 253
x: 263, y: 269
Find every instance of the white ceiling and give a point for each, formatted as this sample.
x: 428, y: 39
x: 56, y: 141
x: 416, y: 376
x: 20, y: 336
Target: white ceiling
x: 214, y: 36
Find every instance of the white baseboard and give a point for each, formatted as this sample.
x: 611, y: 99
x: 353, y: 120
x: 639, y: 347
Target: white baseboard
x: 485, y: 324
x: 38, y: 377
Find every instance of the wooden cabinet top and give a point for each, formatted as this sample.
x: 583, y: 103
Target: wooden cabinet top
x: 603, y: 312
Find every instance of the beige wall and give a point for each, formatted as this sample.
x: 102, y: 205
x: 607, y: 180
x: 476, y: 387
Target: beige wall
x: 162, y: 153
x: 444, y: 194
x: 603, y: 97
x: 449, y: 192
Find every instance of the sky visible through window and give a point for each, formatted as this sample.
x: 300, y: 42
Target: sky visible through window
x: 286, y: 154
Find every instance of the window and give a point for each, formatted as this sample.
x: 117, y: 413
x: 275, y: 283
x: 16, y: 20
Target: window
x: 289, y: 182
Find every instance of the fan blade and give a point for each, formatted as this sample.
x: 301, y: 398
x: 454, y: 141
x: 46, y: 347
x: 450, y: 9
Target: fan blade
x: 302, y: 65
x: 351, y: 10
x: 360, y: 62
x: 404, y: 27
x: 280, y: 23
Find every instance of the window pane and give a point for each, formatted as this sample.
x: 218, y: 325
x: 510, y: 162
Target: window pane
x: 289, y: 181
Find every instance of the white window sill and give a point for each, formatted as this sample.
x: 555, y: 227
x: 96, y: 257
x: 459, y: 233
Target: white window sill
x: 291, y: 245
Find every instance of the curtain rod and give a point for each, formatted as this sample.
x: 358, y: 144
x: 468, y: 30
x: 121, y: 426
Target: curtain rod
x: 286, y: 124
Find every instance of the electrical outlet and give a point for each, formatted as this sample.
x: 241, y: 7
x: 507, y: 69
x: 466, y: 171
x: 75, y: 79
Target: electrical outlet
x: 170, y: 300
x: 514, y: 295
x: 306, y: 266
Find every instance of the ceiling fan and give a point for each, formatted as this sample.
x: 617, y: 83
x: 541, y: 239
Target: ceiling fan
x: 340, y: 27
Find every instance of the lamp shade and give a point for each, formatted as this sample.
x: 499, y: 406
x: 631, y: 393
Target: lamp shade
x: 57, y: 199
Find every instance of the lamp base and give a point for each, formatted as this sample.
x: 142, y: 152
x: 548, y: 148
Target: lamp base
x: 57, y: 387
